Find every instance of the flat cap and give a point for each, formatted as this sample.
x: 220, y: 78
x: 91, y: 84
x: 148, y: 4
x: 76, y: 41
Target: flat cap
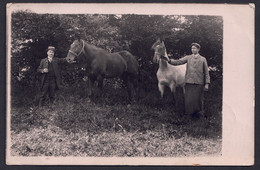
x: 51, y: 48
x: 196, y: 45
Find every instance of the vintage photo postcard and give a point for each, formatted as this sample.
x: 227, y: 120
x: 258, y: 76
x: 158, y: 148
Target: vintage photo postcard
x: 130, y: 84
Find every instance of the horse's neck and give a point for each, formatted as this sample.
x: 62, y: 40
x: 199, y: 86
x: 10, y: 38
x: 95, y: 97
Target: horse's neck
x: 163, y: 64
x: 88, y: 52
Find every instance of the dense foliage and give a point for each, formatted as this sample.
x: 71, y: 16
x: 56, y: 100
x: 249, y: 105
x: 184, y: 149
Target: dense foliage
x: 32, y: 33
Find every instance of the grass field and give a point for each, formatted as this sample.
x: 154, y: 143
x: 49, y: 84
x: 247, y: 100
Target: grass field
x: 109, y: 126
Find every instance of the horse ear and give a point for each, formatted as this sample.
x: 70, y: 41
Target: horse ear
x: 158, y: 41
x: 163, y: 43
x: 163, y: 46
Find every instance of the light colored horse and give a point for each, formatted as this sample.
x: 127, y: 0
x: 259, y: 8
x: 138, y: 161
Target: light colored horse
x: 168, y: 75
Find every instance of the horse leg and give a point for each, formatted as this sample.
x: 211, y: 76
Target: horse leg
x: 183, y: 98
x: 132, y: 79
x: 173, y: 90
x: 91, y: 82
x: 161, y: 89
x: 100, y: 85
x: 130, y: 91
x: 135, y: 87
x: 128, y: 84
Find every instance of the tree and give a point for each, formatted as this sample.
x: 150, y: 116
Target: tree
x: 32, y: 33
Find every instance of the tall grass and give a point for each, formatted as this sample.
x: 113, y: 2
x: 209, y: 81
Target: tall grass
x: 110, y: 126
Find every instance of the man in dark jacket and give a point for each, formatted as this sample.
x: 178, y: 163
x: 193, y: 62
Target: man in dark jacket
x: 50, y: 75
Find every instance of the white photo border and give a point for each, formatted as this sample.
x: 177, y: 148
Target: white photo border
x: 238, y: 80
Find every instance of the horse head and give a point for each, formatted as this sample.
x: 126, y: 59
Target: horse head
x: 159, y: 51
x: 75, y: 51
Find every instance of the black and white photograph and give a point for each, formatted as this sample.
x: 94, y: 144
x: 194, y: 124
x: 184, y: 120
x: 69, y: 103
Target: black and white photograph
x: 129, y: 84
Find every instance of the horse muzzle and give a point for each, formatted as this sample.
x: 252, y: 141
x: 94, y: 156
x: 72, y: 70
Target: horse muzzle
x: 70, y: 60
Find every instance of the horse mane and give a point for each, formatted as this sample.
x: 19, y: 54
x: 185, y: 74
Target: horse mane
x: 92, y: 46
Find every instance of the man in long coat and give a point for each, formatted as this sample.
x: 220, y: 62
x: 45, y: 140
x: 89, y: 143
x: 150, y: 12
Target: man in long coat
x: 50, y: 75
x: 197, y: 80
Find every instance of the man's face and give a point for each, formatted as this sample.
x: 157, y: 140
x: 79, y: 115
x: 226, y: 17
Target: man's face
x: 194, y: 50
x: 50, y: 53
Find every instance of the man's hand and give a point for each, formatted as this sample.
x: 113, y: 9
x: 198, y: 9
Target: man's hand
x: 45, y: 70
x: 206, y: 87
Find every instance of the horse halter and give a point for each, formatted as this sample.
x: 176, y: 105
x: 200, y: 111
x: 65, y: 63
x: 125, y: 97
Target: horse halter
x: 81, y: 51
x: 158, y: 53
x: 161, y: 55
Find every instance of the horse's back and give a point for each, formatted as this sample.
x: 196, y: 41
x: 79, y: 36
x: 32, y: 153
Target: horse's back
x: 181, y: 69
x: 115, y: 65
x: 173, y: 74
x: 107, y: 64
x: 132, y: 64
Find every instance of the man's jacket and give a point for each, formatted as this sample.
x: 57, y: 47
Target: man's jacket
x: 197, y: 69
x: 55, y: 64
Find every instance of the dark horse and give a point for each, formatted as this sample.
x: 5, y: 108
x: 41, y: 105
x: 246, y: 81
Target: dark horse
x: 101, y: 64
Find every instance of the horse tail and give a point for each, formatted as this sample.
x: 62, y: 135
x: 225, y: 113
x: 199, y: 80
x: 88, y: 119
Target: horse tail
x: 132, y: 64
x: 126, y: 65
